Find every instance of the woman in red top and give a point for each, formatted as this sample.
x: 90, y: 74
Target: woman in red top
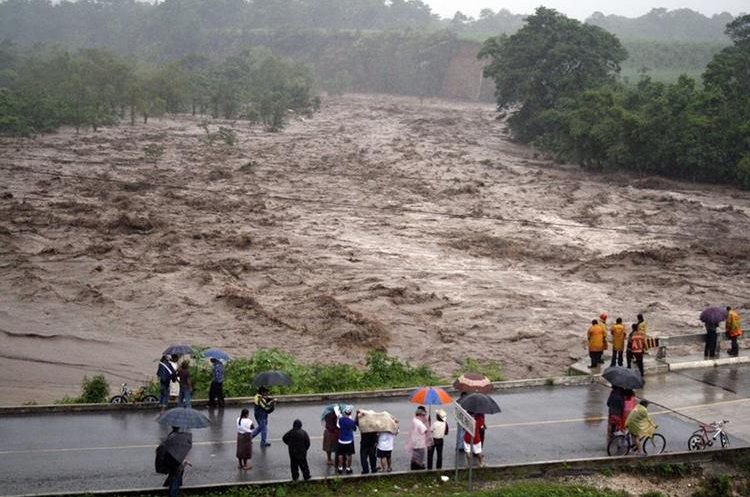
x: 476, y: 447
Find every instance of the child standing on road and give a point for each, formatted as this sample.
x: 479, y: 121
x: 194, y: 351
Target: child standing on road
x: 385, y: 449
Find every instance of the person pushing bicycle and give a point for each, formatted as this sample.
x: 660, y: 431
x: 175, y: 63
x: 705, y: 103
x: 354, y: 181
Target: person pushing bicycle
x: 639, y: 424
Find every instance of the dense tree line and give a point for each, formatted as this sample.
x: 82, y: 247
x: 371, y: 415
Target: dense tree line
x: 685, y: 56
x: 44, y: 88
x: 125, y: 26
x: 660, y: 24
x: 681, y: 130
x: 349, y: 44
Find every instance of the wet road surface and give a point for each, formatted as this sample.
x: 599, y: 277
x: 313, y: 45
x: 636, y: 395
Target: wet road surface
x: 108, y: 451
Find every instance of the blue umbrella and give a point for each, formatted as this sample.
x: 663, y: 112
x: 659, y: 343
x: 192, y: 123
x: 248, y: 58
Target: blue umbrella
x: 217, y: 354
x: 184, y: 417
x: 713, y: 315
x: 330, y: 408
x: 178, y: 350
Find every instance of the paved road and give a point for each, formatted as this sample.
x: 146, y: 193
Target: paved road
x: 107, y: 451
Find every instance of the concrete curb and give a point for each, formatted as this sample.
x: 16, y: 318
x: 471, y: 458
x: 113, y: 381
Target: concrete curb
x: 707, y: 363
x: 299, y: 398
x: 511, y: 471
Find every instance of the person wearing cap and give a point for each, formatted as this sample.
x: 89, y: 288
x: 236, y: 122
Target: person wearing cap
x: 419, y: 439
x: 439, y: 431
x: 345, y: 447
x: 298, y: 442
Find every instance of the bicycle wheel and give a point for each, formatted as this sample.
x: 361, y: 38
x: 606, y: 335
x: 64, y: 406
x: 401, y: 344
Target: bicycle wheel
x: 724, y: 439
x: 696, y: 442
x: 654, y: 444
x: 618, y: 446
x: 118, y: 399
x: 150, y: 399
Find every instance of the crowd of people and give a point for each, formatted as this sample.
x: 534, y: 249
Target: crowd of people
x: 632, y: 345
x: 425, y: 440
x: 636, y: 342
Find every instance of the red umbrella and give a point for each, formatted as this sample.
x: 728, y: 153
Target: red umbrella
x: 473, y: 383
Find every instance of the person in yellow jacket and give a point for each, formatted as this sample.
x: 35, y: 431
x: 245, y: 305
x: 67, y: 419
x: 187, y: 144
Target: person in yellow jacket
x: 733, y: 330
x: 618, y: 342
x: 597, y: 339
x: 640, y: 424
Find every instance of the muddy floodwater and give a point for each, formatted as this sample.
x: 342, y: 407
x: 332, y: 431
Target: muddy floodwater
x: 380, y: 222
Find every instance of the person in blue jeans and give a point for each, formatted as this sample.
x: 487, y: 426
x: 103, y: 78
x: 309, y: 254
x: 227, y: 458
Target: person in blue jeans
x: 264, y: 405
x: 186, y: 385
x: 166, y: 373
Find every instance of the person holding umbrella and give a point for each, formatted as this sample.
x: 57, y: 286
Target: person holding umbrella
x: 474, y: 444
x: 171, y: 453
x: 264, y: 405
x: 170, y: 458
x: 711, y: 317
x: 330, y: 432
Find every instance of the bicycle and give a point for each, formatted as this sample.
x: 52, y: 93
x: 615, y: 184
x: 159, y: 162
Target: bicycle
x: 127, y: 395
x: 622, y: 444
x: 706, y: 435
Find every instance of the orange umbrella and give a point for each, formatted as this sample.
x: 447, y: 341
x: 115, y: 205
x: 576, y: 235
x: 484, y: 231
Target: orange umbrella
x: 430, y: 396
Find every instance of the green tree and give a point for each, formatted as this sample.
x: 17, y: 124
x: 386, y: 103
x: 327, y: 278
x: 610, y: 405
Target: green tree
x: 550, y: 58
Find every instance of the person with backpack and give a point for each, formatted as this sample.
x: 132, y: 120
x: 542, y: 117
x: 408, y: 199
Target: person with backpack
x: 166, y: 374
x: 264, y: 405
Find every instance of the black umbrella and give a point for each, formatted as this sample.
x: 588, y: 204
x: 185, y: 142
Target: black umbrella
x: 179, y: 350
x: 178, y: 445
x: 623, y: 377
x: 272, y: 378
x: 713, y: 315
x: 479, y: 403
x: 184, y: 417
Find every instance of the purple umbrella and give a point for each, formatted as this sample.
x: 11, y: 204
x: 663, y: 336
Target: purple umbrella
x: 713, y: 315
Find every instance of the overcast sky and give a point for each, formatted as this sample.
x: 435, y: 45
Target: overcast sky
x: 581, y: 9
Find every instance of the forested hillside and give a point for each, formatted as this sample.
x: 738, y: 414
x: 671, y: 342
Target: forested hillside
x: 560, y: 75
x: 363, y: 45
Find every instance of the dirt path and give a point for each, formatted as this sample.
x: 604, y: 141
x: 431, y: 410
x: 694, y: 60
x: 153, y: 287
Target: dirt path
x: 380, y: 222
